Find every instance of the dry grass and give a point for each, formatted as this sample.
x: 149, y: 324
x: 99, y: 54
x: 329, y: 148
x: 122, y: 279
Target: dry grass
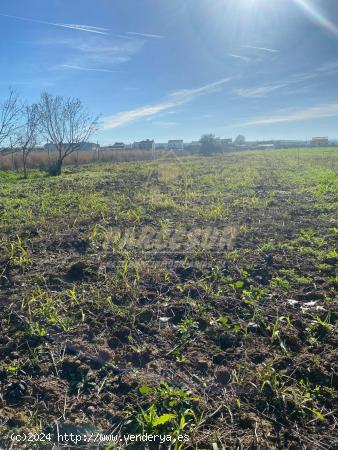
x: 41, y: 159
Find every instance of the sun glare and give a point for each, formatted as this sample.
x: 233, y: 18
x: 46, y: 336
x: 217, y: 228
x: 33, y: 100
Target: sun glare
x: 317, y: 16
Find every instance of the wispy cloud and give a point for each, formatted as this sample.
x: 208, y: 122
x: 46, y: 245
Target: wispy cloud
x: 78, y: 27
x: 260, y: 91
x: 175, y: 99
x: 306, y: 76
x: 95, y: 53
x: 314, y: 112
x: 243, y: 58
x: 327, y: 69
x: 87, y: 69
x: 145, y: 35
x: 88, y: 28
x: 263, y: 49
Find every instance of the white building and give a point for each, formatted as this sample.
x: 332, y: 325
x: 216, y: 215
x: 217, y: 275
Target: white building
x: 144, y: 145
x: 118, y: 146
x: 82, y: 147
x: 319, y: 141
x: 175, y: 144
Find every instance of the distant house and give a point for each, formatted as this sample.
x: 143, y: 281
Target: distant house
x: 287, y: 143
x: 83, y: 147
x: 224, y: 142
x: 161, y: 146
x: 176, y: 144
x: 266, y: 146
x: 118, y: 146
x: 319, y: 141
x: 144, y: 145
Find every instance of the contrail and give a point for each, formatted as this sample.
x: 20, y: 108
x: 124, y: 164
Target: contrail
x: 264, y: 49
x: 86, y: 28
x: 87, y: 69
x: 243, y: 58
x: 145, y: 35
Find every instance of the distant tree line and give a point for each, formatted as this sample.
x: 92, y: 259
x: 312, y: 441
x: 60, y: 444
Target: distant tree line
x: 64, y: 122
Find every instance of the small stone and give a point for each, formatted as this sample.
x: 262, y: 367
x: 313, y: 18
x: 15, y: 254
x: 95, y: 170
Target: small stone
x: 164, y: 319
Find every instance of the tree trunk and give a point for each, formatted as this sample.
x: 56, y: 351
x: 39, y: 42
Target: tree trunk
x: 24, y: 161
x: 58, y: 168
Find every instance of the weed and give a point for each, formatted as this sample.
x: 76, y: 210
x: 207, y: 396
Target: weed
x: 18, y: 255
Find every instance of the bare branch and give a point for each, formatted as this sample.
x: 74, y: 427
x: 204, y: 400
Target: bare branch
x: 28, y: 135
x: 9, y: 116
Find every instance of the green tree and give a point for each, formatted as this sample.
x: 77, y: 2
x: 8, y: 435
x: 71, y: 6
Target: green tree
x: 240, y: 140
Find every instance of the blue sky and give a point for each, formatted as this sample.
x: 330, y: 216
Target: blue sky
x: 168, y: 69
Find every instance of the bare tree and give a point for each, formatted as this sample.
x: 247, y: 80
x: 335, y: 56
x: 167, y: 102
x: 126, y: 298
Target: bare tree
x: 65, y: 124
x: 28, y: 133
x: 10, y: 111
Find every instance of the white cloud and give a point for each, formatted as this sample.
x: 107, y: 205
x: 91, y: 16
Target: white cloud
x: 329, y: 68
x: 96, y: 52
x: 175, y: 99
x: 243, y: 58
x: 87, y: 69
x: 260, y: 91
x: 314, y: 112
x: 263, y: 49
x: 87, y: 28
x: 145, y: 35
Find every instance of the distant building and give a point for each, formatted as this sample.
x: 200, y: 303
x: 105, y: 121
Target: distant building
x: 161, y: 146
x: 82, y: 147
x: 144, y: 145
x: 319, y: 141
x: 118, y: 146
x: 176, y: 144
x: 287, y: 143
x: 266, y: 146
x: 225, y: 142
